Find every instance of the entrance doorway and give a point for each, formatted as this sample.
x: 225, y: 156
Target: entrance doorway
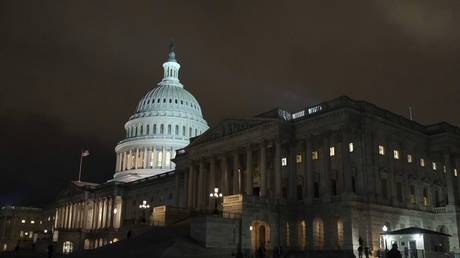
x: 260, y: 235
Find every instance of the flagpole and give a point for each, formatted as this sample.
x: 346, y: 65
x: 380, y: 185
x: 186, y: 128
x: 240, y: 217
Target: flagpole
x: 79, y: 170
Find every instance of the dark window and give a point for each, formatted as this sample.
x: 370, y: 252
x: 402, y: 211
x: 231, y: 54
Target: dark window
x: 353, y: 184
x: 299, y: 192
x: 316, y: 190
x: 333, y: 187
x: 399, y: 192
x: 384, y: 189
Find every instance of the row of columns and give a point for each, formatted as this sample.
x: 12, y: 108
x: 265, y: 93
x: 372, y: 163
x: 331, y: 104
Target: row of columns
x: 94, y: 214
x: 146, y: 157
x: 71, y: 216
x: 199, y: 181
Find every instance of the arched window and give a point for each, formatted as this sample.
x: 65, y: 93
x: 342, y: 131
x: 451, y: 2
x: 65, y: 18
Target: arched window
x: 318, y: 233
x: 158, y: 100
x: 169, y: 129
x: 162, y: 129
x: 142, y: 130
x: 135, y: 132
x: 196, y: 132
x: 302, y: 232
x: 177, y: 130
x: 175, y: 101
x: 148, y: 130
x: 190, y: 132
x: 183, y: 130
x: 154, y: 129
x: 127, y: 133
x: 340, y: 234
x: 164, y: 100
x: 67, y: 247
x: 170, y: 100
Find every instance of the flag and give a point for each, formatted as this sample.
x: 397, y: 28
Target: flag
x: 84, y: 153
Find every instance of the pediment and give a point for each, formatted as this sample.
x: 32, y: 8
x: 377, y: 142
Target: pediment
x: 228, y: 127
x: 72, y: 189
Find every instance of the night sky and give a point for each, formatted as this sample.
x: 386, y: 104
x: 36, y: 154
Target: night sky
x: 72, y: 72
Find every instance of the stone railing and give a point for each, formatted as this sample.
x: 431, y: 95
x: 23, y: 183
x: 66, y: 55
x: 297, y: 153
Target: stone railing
x: 440, y: 210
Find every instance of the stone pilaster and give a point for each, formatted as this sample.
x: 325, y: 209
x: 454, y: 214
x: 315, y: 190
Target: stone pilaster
x: 263, y: 169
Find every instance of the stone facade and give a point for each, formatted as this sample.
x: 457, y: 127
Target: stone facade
x: 328, y: 175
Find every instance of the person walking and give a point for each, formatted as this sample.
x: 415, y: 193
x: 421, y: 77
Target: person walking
x: 394, y: 252
x: 50, y: 250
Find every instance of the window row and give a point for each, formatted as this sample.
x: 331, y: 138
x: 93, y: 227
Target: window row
x: 315, y: 154
x: 170, y: 101
x: 410, y: 159
x: 318, y: 234
x: 381, y: 150
x: 141, y: 130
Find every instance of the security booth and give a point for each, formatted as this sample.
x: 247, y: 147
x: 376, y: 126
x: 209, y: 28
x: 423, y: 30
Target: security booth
x: 414, y: 242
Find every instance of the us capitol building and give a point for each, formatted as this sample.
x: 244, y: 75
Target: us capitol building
x: 326, y: 179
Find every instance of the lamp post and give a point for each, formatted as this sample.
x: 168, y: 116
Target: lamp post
x: 216, y: 196
x: 144, y: 206
x: 385, y: 229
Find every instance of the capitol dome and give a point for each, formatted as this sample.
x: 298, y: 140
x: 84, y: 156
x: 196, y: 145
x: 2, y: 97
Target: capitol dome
x: 165, y: 120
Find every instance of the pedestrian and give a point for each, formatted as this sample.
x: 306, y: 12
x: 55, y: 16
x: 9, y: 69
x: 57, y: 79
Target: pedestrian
x: 366, y: 252
x: 360, y: 251
x: 261, y: 251
x: 394, y: 252
x: 50, y: 250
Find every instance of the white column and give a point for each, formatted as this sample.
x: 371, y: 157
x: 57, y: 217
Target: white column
x: 163, y: 157
x: 136, y: 159
x: 130, y: 160
x: 145, y: 158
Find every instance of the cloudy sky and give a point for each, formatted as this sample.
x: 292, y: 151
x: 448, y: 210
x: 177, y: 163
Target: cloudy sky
x: 72, y: 72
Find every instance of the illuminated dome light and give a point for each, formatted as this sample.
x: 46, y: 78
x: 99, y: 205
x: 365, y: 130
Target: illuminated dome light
x: 165, y: 120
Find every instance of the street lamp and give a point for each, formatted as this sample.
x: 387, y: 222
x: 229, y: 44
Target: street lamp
x: 144, y: 206
x: 385, y: 229
x: 216, y: 196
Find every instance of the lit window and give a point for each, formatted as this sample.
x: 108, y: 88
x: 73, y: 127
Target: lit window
x: 425, y: 198
x: 21, y: 233
x: 350, y: 147
x: 433, y: 164
x: 314, y: 155
x: 444, y: 168
x: 23, y: 221
x: 332, y: 151
x: 381, y: 150
x: 455, y: 172
x: 409, y: 158
x: 284, y: 162
x: 422, y: 162
x: 32, y: 222
x: 396, y: 154
x: 298, y: 158
x: 412, y: 198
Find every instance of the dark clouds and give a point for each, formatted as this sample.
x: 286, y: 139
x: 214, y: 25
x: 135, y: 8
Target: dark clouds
x: 72, y: 72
